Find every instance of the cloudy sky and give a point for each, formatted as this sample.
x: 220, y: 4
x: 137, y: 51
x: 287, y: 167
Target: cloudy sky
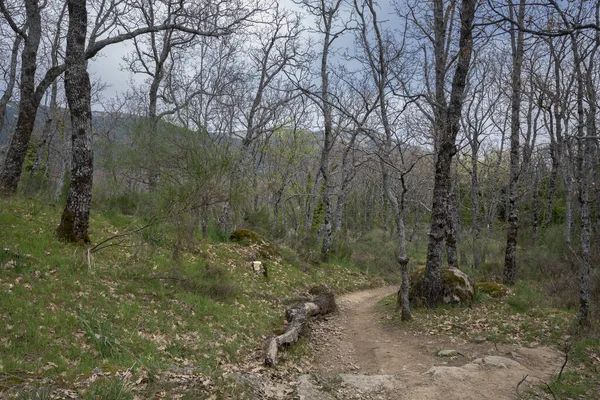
x: 108, y: 66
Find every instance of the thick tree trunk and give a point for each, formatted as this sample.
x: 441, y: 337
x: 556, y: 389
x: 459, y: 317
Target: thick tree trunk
x: 439, y: 219
x: 517, y: 41
x: 452, y: 230
x: 323, y: 302
x: 584, y: 163
x: 447, y: 124
x: 28, y: 102
x: 75, y: 218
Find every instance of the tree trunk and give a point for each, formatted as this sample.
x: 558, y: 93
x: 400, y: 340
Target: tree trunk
x: 347, y: 177
x: 48, y: 130
x: 535, y: 206
x: 312, y: 202
x: 475, y: 224
x: 551, y: 184
x: 584, y: 204
x: 12, y: 77
x: 437, y: 230
x: 328, y: 139
x: 28, y: 102
x: 75, y: 218
x: 323, y: 302
x: 451, y: 230
x: 568, y: 184
x: 517, y: 44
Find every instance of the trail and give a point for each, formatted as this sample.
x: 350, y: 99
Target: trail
x: 359, y: 357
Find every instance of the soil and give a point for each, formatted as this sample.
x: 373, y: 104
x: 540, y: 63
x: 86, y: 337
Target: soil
x: 358, y: 356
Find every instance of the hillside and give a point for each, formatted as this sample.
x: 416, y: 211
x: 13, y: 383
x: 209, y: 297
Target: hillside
x: 88, y: 324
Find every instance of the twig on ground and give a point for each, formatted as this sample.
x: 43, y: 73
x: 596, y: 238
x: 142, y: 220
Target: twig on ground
x: 567, y: 349
x: 519, y: 384
x: 550, y: 390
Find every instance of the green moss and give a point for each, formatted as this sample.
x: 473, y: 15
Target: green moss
x: 66, y: 230
x: 450, y: 281
x: 492, y: 289
x: 250, y: 238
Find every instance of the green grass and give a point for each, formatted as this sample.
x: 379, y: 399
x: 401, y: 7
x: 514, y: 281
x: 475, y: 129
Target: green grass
x: 131, y: 307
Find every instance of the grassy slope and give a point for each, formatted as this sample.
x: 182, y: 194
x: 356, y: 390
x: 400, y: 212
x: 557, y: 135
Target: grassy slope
x: 131, y: 307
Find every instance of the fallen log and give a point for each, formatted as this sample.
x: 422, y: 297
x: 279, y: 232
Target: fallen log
x: 322, y: 302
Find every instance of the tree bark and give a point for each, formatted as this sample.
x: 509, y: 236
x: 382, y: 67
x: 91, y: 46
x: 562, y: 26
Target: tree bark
x: 517, y: 45
x: 28, y: 102
x: 323, y: 302
x: 12, y: 77
x: 328, y: 17
x: 447, y: 122
x: 75, y: 218
x: 348, y: 172
x: 452, y: 229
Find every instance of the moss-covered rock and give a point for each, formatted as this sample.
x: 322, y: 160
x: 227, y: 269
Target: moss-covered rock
x: 492, y: 289
x: 457, y: 287
x: 249, y: 238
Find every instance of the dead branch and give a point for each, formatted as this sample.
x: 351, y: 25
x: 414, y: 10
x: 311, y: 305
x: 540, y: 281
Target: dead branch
x: 519, y: 384
x: 567, y: 348
x: 322, y: 302
x: 99, y: 246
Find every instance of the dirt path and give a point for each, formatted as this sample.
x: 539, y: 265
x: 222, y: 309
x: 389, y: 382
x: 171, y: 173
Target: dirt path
x: 358, y: 356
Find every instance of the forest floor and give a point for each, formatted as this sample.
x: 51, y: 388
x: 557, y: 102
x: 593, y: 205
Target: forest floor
x: 140, y: 320
x: 357, y: 355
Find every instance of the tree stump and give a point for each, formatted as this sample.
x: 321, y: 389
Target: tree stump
x: 322, y: 302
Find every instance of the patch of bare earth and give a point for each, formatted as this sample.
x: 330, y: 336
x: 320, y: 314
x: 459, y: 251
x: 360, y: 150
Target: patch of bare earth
x: 358, y: 357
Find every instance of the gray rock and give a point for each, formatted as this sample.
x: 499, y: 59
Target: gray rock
x: 307, y: 390
x: 501, y: 362
x: 447, y: 353
x: 367, y: 383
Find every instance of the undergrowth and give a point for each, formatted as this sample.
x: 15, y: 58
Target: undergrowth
x: 133, y: 312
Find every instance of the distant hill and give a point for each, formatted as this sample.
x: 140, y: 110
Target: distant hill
x: 117, y: 124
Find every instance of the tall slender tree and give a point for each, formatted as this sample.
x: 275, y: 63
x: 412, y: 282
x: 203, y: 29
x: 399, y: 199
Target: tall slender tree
x: 447, y: 114
x: 517, y: 45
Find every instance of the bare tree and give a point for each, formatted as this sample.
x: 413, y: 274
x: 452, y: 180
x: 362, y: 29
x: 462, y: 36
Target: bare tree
x: 50, y: 124
x: 517, y: 44
x: 110, y: 14
x: 328, y: 14
x: 381, y: 55
x: 447, y: 113
x: 29, y: 96
x: 75, y: 218
x: 10, y: 78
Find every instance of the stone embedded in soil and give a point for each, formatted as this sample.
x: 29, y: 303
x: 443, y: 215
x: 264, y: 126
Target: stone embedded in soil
x: 367, y: 383
x: 447, y: 353
x: 497, y: 361
x: 307, y: 390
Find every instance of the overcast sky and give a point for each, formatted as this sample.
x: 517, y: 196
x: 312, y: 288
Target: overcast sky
x: 108, y: 66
